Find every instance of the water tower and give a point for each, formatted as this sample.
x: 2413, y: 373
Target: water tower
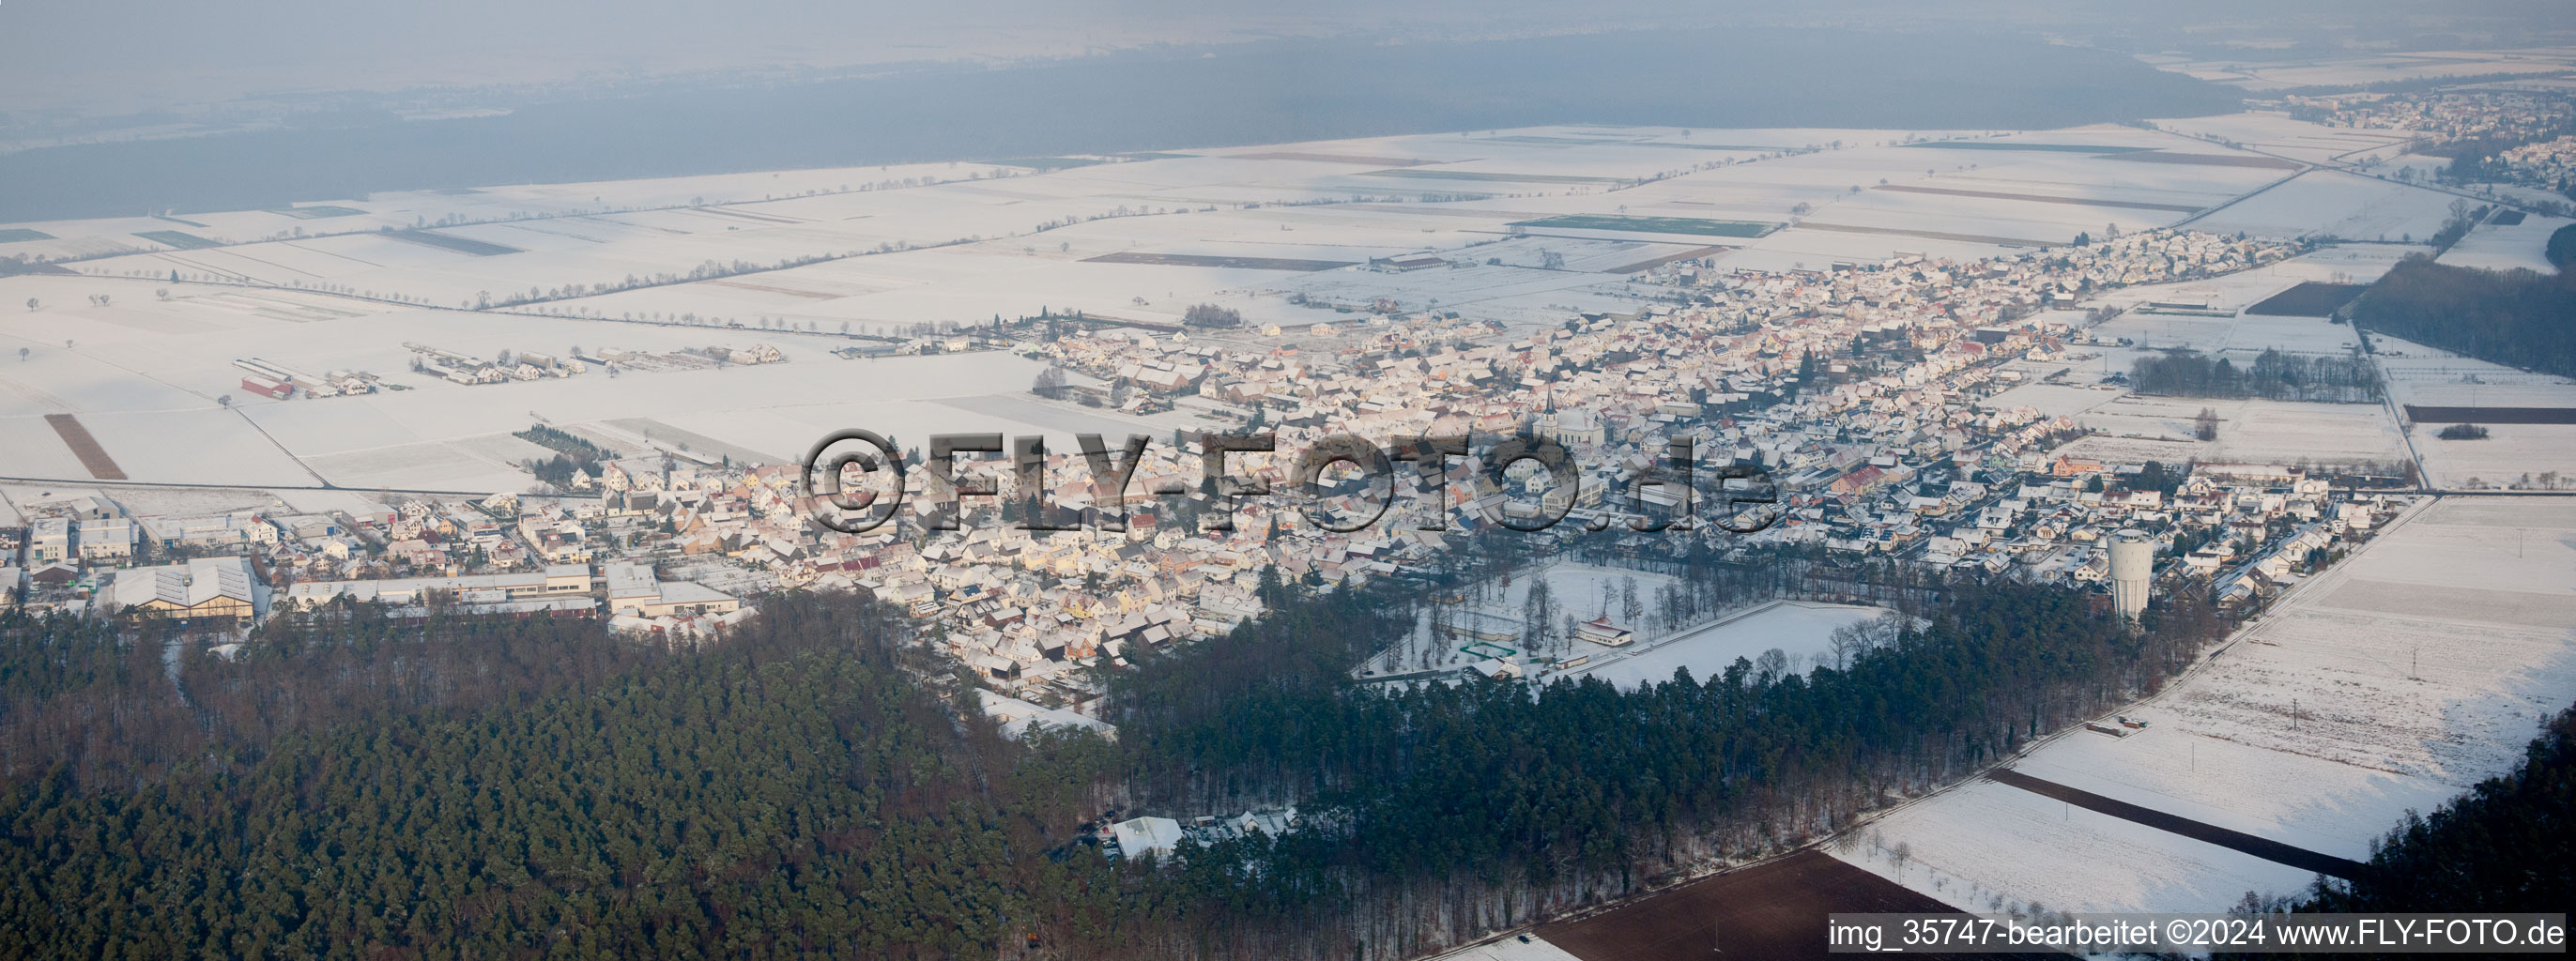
x: 2133, y: 569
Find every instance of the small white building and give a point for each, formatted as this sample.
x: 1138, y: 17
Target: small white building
x: 1138, y: 837
x: 1600, y: 631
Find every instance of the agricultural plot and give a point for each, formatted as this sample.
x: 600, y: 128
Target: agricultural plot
x: 2391, y: 682
x: 318, y: 211
x: 2496, y: 245
x: 2308, y: 299
x: 1776, y: 909
x: 19, y: 235
x: 2325, y: 203
x: 2511, y: 454
x: 1991, y: 847
x: 2040, y: 198
x: 2054, y: 400
x: 1653, y: 225
x: 84, y: 446
x: 1235, y: 263
x: 2077, y: 148
x: 1492, y: 177
x: 2252, y: 431
x: 1510, y: 949
x: 36, y: 449
x: 2253, y: 161
x: 884, y: 250
x: 173, y: 238
x: 461, y: 245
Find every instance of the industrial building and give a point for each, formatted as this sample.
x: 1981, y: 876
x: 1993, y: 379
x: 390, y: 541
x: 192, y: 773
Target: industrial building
x: 207, y: 587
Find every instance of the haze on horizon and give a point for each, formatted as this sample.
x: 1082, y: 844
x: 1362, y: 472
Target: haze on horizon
x: 90, y: 58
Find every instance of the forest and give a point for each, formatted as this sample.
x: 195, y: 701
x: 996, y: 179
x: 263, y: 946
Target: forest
x: 2518, y: 318
x: 350, y: 785
x: 2272, y: 376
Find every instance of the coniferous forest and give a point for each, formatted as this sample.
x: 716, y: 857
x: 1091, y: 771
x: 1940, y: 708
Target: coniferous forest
x: 354, y: 786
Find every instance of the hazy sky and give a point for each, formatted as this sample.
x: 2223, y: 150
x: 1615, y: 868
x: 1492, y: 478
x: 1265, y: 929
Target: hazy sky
x: 110, y: 56
x: 137, y: 51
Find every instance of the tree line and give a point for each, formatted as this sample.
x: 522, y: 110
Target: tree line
x: 2272, y: 376
x: 358, y: 785
x: 2518, y: 318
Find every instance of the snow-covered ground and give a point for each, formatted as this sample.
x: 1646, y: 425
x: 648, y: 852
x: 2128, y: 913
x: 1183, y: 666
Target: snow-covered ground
x: 1803, y: 632
x: 2392, y: 682
x: 2518, y: 247
x: 1510, y: 949
x: 2249, y: 431
x: 2510, y: 454
x: 1985, y: 846
x: 888, y: 249
x: 1585, y: 591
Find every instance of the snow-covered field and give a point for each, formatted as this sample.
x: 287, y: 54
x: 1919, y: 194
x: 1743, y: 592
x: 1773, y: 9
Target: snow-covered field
x: 887, y: 249
x: 2391, y: 682
x: 2328, y: 203
x: 2421, y: 375
x: 1801, y: 631
x: 1510, y: 949
x: 2249, y: 431
x: 2518, y: 247
x: 1990, y: 847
